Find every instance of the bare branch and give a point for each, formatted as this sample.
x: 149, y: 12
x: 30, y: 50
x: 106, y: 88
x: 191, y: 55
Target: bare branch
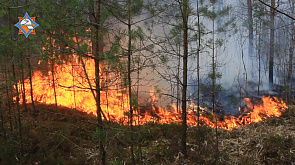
x: 277, y: 10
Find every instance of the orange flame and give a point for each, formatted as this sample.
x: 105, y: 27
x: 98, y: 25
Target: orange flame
x: 73, y: 90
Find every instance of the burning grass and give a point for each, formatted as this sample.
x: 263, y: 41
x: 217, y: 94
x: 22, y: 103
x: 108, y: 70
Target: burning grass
x: 75, y: 83
x: 70, y: 138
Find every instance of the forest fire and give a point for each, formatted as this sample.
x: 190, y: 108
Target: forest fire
x: 74, y: 88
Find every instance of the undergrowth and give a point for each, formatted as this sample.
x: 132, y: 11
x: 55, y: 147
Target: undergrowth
x: 71, y: 137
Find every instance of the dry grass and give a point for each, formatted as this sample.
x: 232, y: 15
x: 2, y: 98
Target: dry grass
x: 269, y: 142
x: 70, y: 138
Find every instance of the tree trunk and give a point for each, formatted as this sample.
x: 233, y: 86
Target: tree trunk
x: 52, y: 73
x: 198, y: 74
x: 271, y: 50
x: 213, y: 86
x: 23, y: 85
x: 99, y: 49
x: 291, y: 51
x: 2, y: 121
x: 86, y: 74
x: 74, y: 86
x: 16, y: 90
x: 31, y: 85
x: 54, y: 83
x: 250, y: 23
x: 18, y: 111
x: 129, y: 79
x: 198, y: 62
x: 184, y: 86
x: 178, y: 82
x: 246, y: 74
x: 7, y: 86
x: 259, y: 61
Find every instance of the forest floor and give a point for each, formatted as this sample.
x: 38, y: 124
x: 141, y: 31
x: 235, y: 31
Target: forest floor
x: 71, y: 137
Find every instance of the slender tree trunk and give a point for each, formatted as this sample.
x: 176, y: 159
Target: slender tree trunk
x: 7, y: 86
x: 10, y: 93
x: 272, y: 44
x: 86, y: 75
x: 52, y: 73
x: 30, y: 78
x: 137, y: 94
x: 53, y: 84
x: 246, y: 74
x: 184, y: 83
x: 259, y: 61
x: 16, y: 90
x: 98, y: 51
x: 198, y: 62
x: 250, y: 23
x: 23, y: 86
x: 106, y: 90
x: 178, y: 82
x: 18, y: 111
x: 291, y: 51
x: 213, y: 70
x: 73, y: 82
x: 198, y: 74
x: 31, y: 85
x: 2, y: 121
x: 213, y: 87
x: 129, y: 80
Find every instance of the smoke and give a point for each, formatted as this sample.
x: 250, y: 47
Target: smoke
x: 241, y: 69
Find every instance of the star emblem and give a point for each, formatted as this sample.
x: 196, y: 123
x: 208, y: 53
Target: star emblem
x: 26, y: 25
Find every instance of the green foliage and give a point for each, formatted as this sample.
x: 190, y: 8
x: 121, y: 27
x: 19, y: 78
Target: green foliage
x: 134, y: 101
x: 99, y: 135
x: 219, y: 42
x: 208, y: 13
x: 225, y: 11
x: 291, y: 110
x: 287, y: 88
x: 164, y: 59
x: 8, y: 151
x: 259, y: 10
x: 210, y: 116
x: 274, y: 147
x: 216, y: 75
x: 120, y: 8
x: 138, y: 34
x: 218, y: 88
x: 158, y: 91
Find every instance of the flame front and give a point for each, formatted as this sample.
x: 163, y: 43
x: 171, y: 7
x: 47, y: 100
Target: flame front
x: 73, y: 89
